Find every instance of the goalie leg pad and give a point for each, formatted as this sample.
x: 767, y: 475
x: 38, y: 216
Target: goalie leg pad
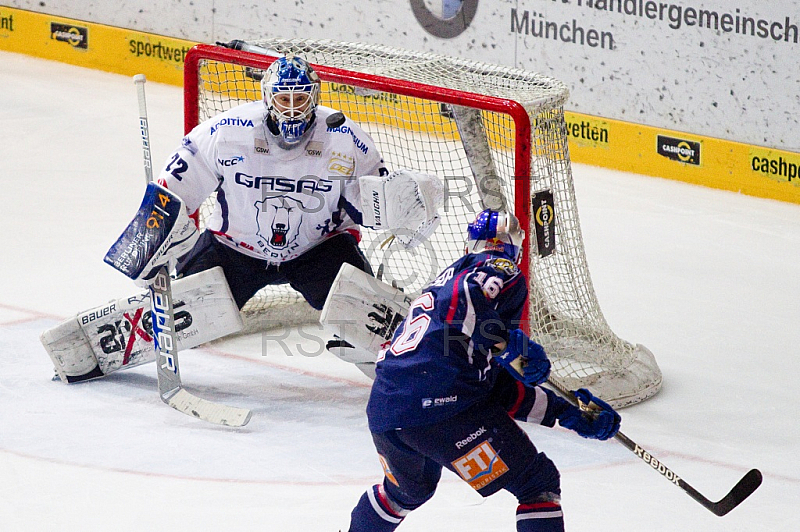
x: 363, y: 311
x: 367, y: 368
x: 350, y: 353
x: 362, y: 358
x: 69, y: 350
x: 119, y: 334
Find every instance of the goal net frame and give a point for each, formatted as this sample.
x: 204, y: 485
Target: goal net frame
x: 529, y: 174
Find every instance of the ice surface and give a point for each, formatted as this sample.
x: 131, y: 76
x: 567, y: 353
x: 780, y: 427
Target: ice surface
x: 706, y: 279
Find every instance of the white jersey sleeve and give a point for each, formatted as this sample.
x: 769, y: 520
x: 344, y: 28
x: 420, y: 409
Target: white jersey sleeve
x: 190, y: 171
x: 368, y: 161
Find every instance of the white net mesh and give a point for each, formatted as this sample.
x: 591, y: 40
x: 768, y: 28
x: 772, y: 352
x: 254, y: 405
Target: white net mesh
x: 410, y: 115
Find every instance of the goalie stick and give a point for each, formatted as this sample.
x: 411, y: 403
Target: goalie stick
x: 743, y: 489
x: 170, y: 388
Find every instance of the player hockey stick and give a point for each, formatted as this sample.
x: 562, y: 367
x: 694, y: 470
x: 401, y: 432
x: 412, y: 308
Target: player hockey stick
x: 743, y: 489
x: 170, y: 388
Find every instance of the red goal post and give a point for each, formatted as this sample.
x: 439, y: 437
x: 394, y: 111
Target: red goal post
x: 497, y: 137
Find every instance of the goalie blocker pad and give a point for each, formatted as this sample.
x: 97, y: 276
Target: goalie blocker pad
x: 119, y: 334
x: 161, y: 230
x: 364, y: 312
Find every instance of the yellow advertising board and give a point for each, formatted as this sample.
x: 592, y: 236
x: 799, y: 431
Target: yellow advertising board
x: 711, y: 162
x: 93, y: 45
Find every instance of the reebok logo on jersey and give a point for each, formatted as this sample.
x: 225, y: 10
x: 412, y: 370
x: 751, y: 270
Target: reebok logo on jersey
x: 472, y: 437
x: 480, y: 466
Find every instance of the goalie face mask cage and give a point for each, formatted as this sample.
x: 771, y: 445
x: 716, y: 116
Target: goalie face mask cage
x: 290, y: 90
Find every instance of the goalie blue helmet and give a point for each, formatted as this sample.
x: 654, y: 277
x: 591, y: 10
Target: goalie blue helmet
x: 290, y: 89
x: 495, y: 231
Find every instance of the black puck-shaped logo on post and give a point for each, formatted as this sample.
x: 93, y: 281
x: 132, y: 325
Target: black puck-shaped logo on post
x: 544, y: 219
x: 450, y: 21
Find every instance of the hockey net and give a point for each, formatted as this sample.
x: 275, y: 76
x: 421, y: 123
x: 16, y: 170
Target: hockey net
x: 497, y: 136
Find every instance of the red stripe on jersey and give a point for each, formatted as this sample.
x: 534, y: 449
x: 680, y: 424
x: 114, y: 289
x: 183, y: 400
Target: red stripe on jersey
x: 451, y: 313
x: 520, y: 397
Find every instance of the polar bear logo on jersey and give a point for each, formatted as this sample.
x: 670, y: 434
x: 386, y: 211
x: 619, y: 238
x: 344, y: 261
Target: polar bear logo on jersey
x: 279, y: 219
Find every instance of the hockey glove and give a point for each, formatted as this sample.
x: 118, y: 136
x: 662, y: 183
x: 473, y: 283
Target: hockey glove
x: 594, y: 419
x: 525, y: 359
x: 405, y: 202
x: 160, y: 232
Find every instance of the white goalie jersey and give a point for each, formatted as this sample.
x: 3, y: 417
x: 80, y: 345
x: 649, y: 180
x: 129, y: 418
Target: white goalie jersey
x: 273, y: 204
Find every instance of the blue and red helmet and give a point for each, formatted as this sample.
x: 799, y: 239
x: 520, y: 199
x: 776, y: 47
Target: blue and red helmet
x: 290, y: 89
x: 495, y: 231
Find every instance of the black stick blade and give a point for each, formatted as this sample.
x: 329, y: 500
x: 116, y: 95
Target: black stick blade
x: 742, y: 490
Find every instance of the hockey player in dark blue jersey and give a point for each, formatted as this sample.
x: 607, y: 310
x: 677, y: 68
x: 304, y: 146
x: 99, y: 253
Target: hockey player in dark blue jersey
x: 457, y: 374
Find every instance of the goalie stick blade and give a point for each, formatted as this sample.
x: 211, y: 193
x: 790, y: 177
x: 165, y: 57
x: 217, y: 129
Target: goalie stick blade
x: 742, y: 490
x: 189, y: 404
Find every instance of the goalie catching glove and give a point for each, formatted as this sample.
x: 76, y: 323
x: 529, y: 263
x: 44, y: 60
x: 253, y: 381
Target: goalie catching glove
x: 403, y: 202
x: 594, y: 419
x: 160, y: 232
x: 524, y: 359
